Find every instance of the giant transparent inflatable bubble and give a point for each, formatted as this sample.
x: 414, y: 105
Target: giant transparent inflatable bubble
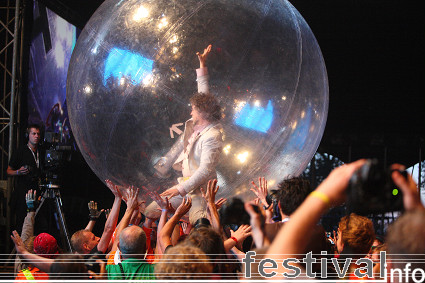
x: 132, y: 73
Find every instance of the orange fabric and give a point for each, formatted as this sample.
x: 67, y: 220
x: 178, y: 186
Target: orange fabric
x: 150, y: 257
x: 111, y: 258
x: 36, y: 273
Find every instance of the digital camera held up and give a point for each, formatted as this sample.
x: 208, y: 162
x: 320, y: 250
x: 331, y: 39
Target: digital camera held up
x: 372, y: 191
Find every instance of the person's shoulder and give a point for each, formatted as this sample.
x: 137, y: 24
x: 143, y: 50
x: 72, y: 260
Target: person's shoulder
x: 215, y: 129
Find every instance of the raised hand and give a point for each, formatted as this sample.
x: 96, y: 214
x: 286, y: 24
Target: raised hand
x: 171, y: 192
x: 242, y: 233
x: 19, y: 244
x: 261, y: 190
x: 184, y: 207
x: 411, y: 198
x: 203, y: 57
x: 132, y: 202
x: 114, y: 188
x: 94, y: 213
x: 335, y: 185
x: 162, y: 202
x: 31, y: 199
x: 212, y: 189
x: 219, y: 203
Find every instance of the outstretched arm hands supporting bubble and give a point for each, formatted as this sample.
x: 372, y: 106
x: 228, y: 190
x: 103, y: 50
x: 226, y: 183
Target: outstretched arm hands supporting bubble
x: 209, y: 196
x: 132, y: 204
x: 171, y: 192
x: 164, y: 236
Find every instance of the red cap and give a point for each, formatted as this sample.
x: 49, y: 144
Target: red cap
x: 45, y: 245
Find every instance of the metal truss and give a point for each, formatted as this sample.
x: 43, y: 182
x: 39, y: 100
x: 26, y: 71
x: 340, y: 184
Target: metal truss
x: 11, y: 36
x: 11, y: 50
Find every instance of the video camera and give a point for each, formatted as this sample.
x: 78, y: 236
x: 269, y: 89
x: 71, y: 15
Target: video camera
x: 55, y: 158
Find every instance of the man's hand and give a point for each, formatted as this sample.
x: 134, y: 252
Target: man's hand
x: 94, y: 213
x: 219, y: 203
x: 171, y: 192
x: 114, y: 188
x: 203, y: 57
x: 162, y: 202
x: 242, y: 233
x: 411, y: 198
x: 132, y: 202
x: 31, y: 199
x: 22, y: 171
x: 184, y: 207
x: 19, y: 244
x: 335, y: 185
x: 212, y: 190
x: 261, y: 191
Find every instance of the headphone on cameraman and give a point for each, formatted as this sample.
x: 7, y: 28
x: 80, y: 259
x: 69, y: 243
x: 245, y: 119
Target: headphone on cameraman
x: 27, y: 133
x: 28, y: 130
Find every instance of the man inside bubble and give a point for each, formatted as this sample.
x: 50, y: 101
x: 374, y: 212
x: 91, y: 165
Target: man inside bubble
x: 197, y: 152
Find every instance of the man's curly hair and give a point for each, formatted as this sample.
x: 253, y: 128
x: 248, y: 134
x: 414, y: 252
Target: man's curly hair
x: 207, y: 105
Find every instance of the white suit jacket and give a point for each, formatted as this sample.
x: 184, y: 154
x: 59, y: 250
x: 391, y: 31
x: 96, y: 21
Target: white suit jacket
x: 203, y: 154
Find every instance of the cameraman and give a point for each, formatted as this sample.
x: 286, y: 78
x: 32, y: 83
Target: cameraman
x: 25, y: 165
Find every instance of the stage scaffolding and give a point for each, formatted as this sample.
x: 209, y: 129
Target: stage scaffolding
x: 11, y: 58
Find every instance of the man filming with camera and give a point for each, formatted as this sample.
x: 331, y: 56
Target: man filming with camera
x: 24, y: 165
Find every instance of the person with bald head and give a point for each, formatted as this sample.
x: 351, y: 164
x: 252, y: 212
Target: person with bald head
x: 132, y: 244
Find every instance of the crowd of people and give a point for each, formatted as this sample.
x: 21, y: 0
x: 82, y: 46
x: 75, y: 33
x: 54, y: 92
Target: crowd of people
x: 141, y: 248
x: 186, y: 233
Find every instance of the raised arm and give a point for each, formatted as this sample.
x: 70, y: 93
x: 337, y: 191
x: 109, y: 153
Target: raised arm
x: 132, y: 204
x: 28, y: 226
x: 288, y: 243
x: 93, y: 214
x: 165, y: 208
x: 411, y: 198
x: 111, y: 221
x: 41, y: 263
x: 202, y: 72
x: 164, y: 236
x: 261, y: 191
x: 209, y: 196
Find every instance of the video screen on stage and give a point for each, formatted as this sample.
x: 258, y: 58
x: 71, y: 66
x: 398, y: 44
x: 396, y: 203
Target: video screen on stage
x: 52, y: 43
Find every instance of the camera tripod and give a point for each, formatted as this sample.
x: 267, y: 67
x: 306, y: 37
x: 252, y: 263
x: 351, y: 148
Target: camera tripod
x: 52, y: 192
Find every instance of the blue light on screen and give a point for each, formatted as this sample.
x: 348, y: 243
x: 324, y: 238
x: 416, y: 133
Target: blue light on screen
x: 255, y: 117
x: 123, y: 63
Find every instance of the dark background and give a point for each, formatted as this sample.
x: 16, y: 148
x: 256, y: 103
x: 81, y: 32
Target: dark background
x: 374, y: 54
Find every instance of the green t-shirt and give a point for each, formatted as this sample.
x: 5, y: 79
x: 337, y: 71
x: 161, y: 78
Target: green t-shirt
x: 133, y: 269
